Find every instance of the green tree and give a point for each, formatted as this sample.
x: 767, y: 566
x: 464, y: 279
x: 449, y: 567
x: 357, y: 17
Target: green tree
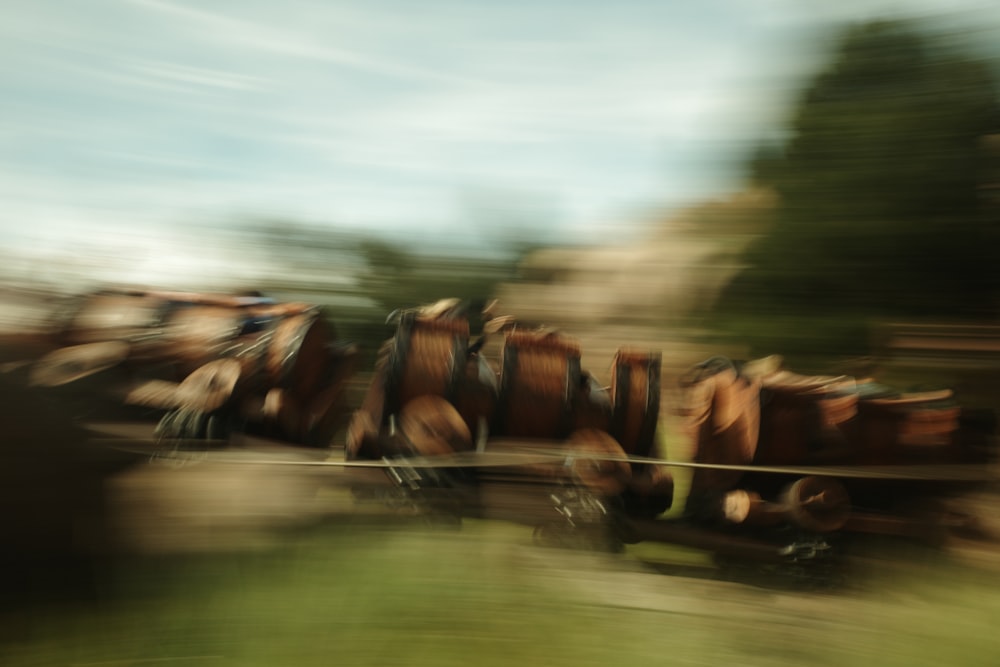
x: 881, y: 200
x: 394, y: 277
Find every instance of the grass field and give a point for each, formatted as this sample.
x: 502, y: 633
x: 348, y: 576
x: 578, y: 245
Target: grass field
x: 353, y: 592
x: 358, y: 594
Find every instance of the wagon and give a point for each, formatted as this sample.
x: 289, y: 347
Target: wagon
x: 781, y: 462
x: 209, y: 363
x: 434, y: 393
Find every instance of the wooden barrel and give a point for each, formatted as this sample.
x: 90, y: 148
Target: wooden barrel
x: 802, y: 418
x: 909, y: 428
x: 635, y: 396
x: 539, y: 380
x: 299, y: 370
x: 298, y: 354
x: 426, y: 357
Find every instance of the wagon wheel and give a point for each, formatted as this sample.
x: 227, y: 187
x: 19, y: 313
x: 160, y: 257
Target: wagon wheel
x: 434, y: 427
x: 635, y: 395
x: 590, y: 449
x: 818, y: 504
x: 650, y: 492
x: 201, y: 403
x: 209, y: 387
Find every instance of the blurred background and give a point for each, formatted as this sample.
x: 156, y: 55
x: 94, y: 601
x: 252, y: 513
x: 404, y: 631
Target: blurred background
x: 745, y: 177
x: 791, y: 178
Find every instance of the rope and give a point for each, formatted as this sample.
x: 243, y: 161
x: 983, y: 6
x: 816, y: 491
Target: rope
x: 527, y: 456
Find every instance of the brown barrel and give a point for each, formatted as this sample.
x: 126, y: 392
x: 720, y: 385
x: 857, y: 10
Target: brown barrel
x: 426, y: 357
x: 803, y: 418
x: 298, y: 356
x: 539, y: 380
x: 289, y: 363
x: 635, y: 396
x: 909, y: 429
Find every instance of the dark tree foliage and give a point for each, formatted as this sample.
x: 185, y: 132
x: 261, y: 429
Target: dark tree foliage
x: 884, y: 205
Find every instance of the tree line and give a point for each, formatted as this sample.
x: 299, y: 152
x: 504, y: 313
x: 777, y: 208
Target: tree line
x: 888, y: 196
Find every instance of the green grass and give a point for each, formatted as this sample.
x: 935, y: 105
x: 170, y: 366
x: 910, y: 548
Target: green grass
x: 484, y: 596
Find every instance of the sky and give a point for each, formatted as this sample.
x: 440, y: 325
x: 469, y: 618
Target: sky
x: 134, y: 124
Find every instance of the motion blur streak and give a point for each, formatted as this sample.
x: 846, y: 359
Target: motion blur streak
x: 729, y: 178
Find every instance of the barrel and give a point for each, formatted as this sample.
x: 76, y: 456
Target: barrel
x: 426, y: 357
x: 803, y: 418
x: 539, y: 379
x: 635, y: 396
x: 298, y: 354
x: 909, y: 428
